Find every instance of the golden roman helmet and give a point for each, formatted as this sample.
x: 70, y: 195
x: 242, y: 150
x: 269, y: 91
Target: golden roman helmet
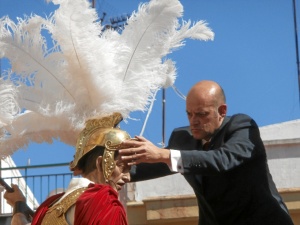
x: 101, y: 132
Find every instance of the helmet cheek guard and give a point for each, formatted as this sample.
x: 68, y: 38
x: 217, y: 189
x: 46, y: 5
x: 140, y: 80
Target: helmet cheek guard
x: 114, y: 140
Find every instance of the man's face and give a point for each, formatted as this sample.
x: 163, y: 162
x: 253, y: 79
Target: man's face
x: 120, y: 175
x: 204, y: 117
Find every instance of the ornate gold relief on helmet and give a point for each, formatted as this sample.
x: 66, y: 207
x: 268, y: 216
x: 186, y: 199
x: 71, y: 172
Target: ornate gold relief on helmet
x: 101, y: 132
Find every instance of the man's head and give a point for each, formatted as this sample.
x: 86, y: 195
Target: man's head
x: 91, y: 167
x: 100, y: 132
x: 206, y: 108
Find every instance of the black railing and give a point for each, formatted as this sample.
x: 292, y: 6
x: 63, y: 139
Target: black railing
x: 38, y: 182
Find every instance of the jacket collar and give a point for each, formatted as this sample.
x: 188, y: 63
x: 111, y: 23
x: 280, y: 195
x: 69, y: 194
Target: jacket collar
x: 225, y: 121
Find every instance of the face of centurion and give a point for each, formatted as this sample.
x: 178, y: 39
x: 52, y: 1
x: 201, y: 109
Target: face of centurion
x: 120, y: 175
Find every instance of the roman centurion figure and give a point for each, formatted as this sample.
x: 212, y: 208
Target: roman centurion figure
x: 94, y: 196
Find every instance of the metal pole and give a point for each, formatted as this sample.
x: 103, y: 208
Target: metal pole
x: 163, y: 115
x: 296, y: 42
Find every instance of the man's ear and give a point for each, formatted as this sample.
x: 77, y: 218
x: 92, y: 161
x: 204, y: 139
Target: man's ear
x: 222, y: 110
x: 99, y: 163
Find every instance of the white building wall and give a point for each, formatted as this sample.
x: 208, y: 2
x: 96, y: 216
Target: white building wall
x: 173, y: 185
x: 8, y: 163
x: 282, y: 142
x: 284, y: 164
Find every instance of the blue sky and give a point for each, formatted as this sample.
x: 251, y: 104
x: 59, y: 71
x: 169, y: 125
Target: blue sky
x: 253, y: 57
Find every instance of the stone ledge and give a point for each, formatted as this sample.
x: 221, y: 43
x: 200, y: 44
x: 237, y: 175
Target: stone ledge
x: 164, y: 210
x: 183, y: 209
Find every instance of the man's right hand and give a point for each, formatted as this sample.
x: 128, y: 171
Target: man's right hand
x: 140, y: 150
x: 15, y: 196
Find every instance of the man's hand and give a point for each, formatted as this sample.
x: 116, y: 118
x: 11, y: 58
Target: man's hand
x: 13, y: 197
x: 140, y: 150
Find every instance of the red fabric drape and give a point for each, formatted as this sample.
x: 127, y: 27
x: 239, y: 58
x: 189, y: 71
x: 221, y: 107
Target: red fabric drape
x: 99, y: 205
x: 42, y: 209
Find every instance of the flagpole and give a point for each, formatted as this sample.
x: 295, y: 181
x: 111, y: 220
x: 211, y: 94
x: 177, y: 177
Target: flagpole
x: 296, y: 43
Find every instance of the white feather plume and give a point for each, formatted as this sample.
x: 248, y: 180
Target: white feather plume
x: 79, y: 71
x: 9, y: 107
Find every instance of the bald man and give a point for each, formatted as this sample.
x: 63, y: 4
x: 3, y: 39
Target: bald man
x: 222, y: 157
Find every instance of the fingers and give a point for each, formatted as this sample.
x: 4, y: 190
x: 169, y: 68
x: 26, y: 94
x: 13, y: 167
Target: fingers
x: 133, y: 161
x: 130, y: 157
x: 132, y: 146
x: 127, y: 151
x: 130, y: 143
x: 133, y: 158
x: 15, y: 187
x: 140, y: 138
x: 134, y: 142
x: 133, y: 150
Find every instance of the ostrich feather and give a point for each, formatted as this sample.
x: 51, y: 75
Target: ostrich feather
x: 26, y: 48
x: 151, y: 34
x: 67, y: 69
x: 8, y: 104
x: 9, y: 107
x: 33, y: 127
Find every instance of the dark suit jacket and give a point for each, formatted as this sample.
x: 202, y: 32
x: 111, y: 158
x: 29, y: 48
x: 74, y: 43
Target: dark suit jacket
x: 231, y: 181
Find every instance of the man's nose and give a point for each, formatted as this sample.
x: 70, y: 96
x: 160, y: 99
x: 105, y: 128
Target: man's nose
x: 193, y: 120
x: 126, y: 177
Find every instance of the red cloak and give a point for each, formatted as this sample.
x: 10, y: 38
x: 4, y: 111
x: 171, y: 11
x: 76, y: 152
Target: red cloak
x: 98, y: 205
x: 42, y: 209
